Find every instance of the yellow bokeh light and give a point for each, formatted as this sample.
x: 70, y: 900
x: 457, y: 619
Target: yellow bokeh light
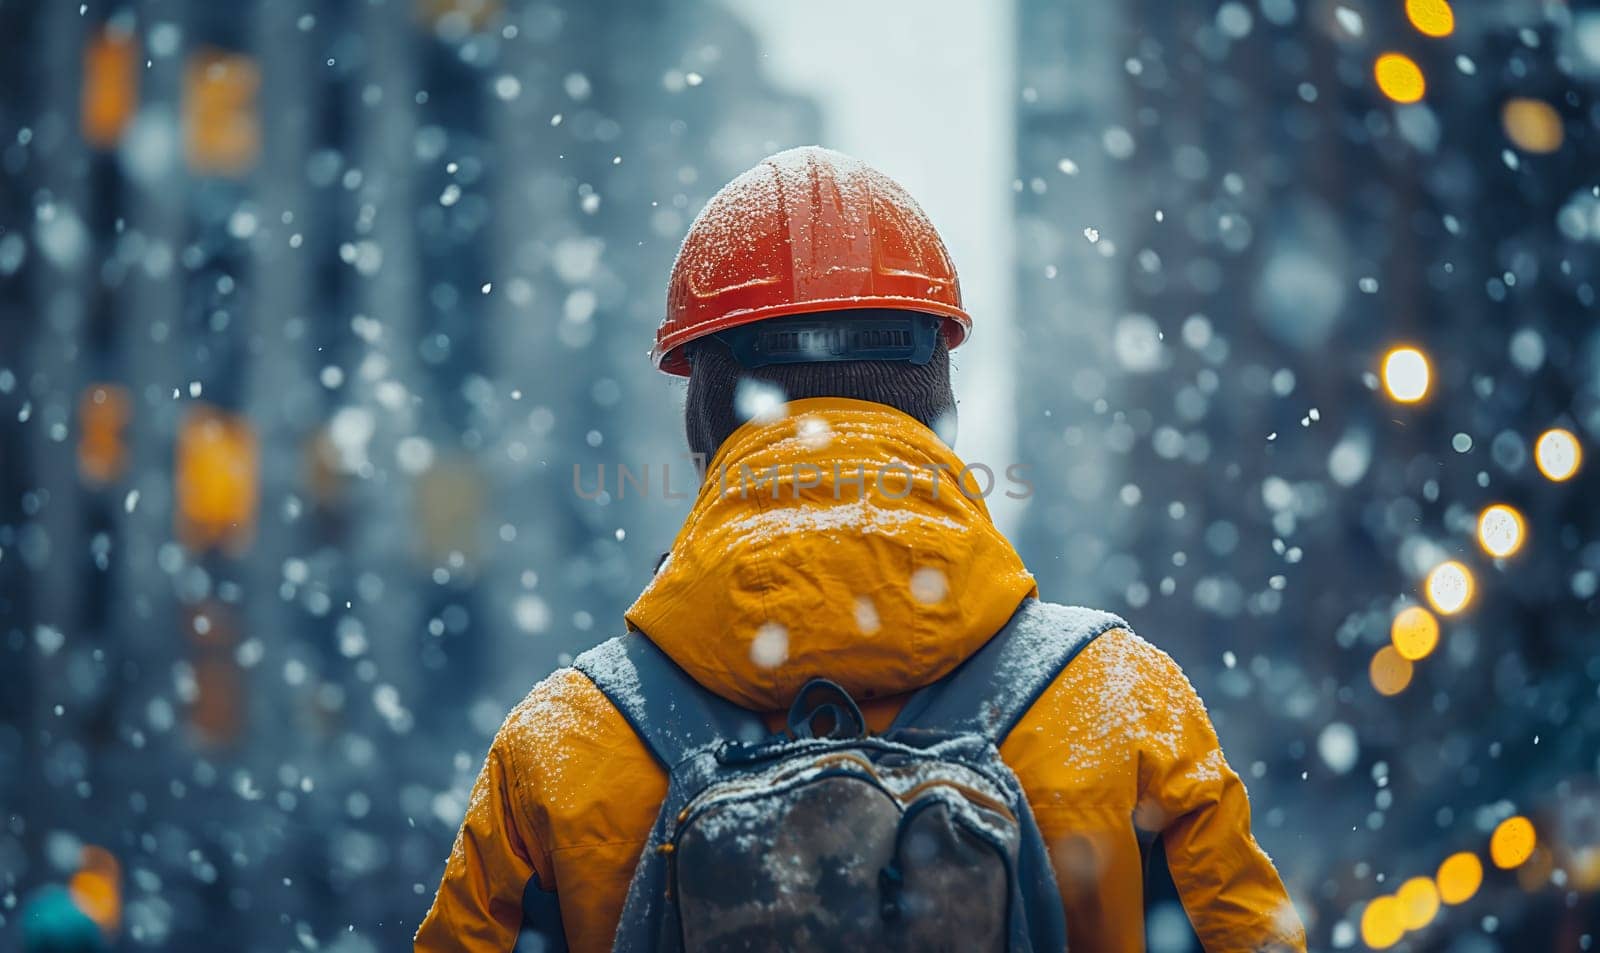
x: 104, y: 411
x: 1382, y: 923
x: 96, y: 888
x: 1500, y: 530
x: 222, y: 128
x: 1512, y: 842
x: 1532, y: 125
x: 110, y: 94
x: 1419, y: 902
x: 1414, y: 632
x: 1399, y: 77
x: 1558, y: 454
x: 1583, y: 868
x: 1406, y: 374
x: 1449, y: 587
x: 1431, y: 17
x: 1459, y: 877
x: 218, y: 479
x: 1390, y: 671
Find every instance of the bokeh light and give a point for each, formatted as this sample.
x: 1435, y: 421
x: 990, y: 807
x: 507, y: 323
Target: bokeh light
x: 1583, y: 867
x: 97, y: 896
x: 1390, y: 671
x: 222, y: 126
x: 1414, y: 633
x: 1449, y: 587
x: 217, y: 479
x: 1533, y: 125
x: 1431, y: 17
x: 1419, y: 902
x: 1558, y: 454
x: 1512, y: 842
x: 96, y: 889
x: 1382, y: 923
x: 1459, y: 877
x: 1399, y: 78
x: 1406, y: 374
x: 110, y: 96
x: 104, y: 412
x: 1500, y: 530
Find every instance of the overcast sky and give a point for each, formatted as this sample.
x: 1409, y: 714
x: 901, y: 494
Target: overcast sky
x: 923, y: 90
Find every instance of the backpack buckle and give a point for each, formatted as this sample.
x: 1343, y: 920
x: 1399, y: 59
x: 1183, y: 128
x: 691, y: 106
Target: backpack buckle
x: 836, y: 709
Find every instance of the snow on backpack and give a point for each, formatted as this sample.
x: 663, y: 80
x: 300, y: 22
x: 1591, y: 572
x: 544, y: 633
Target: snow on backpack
x: 827, y: 838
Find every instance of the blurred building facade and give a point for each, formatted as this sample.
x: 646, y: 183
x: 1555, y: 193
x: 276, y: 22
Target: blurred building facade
x: 1228, y: 215
x: 310, y: 313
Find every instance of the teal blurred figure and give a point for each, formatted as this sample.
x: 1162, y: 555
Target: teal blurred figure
x: 52, y: 923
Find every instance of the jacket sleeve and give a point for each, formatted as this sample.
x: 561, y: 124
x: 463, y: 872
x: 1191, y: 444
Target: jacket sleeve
x: 493, y: 889
x: 1232, y: 893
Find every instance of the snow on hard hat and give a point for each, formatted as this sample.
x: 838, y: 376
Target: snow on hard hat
x: 807, y: 230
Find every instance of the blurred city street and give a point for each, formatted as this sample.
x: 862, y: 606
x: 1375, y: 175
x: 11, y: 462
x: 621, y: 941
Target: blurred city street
x: 321, y: 323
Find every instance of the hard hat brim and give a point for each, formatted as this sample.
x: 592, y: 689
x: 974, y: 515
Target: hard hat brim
x: 668, y: 354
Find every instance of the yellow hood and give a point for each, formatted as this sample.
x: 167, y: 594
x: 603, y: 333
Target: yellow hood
x: 858, y: 559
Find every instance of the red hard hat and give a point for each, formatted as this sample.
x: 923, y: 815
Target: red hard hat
x: 806, y: 230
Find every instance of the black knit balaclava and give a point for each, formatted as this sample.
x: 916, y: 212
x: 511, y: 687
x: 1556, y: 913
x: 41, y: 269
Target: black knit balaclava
x: 710, y: 411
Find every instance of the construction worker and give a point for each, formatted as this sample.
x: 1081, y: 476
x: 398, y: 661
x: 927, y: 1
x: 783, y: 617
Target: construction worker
x: 838, y: 549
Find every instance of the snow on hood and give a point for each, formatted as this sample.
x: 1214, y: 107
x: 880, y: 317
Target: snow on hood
x: 882, y: 576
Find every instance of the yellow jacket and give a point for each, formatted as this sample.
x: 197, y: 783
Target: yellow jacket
x: 883, y: 585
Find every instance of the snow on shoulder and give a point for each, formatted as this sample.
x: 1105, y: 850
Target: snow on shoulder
x: 1043, y: 633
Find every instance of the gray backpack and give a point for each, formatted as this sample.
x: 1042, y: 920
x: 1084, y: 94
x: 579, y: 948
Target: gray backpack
x: 827, y: 838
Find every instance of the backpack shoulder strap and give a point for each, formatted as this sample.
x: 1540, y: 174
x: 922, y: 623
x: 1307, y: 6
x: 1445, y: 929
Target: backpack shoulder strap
x: 990, y: 692
x: 670, y: 712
